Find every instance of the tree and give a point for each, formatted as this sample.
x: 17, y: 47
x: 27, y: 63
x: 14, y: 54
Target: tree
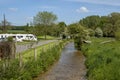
x: 27, y: 28
x: 79, y: 33
x: 61, y: 27
x: 109, y: 24
x: 5, y: 25
x: 90, y: 21
x: 44, y: 18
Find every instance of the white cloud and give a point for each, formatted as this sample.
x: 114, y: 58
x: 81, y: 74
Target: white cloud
x: 13, y: 9
x: 106, y: 2
x: 82, y: 10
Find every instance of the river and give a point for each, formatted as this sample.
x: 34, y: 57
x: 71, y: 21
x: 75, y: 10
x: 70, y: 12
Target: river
x: 69, y: 67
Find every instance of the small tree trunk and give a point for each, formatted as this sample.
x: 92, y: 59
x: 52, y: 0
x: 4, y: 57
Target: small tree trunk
x: 13, y: 50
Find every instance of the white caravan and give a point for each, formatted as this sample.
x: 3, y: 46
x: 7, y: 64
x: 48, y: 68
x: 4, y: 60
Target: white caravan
x: 18, y: 37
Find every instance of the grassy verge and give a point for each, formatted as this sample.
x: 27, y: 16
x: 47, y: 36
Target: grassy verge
x: 103, y: 60
x: 48, y: 37
x: 14, y: 31
x: 46, y: 56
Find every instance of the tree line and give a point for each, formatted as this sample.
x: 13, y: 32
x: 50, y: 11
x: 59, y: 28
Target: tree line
x: 44, y: 23
x: 109, y: 24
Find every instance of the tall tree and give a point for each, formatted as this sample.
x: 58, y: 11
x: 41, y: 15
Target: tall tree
x: 44, y: 18
x: 90, y: 21
x: 5, y: 25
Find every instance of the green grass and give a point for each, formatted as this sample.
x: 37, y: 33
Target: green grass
x: 25, y: 42
x: 15, y: 31
x: 103, y: 60
x: 48, y: 37
x: 30, y: 52
x: 46, y: 56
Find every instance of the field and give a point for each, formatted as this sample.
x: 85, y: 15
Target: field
x: 48, y: 37
x: 102, y: 59
x: 15, y: 31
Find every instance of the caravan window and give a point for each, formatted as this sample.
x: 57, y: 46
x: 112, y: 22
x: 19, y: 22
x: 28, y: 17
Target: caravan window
x: 20, y: 36
x: 14, y: 36
x: 31, y: 36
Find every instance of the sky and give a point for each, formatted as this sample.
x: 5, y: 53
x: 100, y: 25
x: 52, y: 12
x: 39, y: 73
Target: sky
x: 21, y: 12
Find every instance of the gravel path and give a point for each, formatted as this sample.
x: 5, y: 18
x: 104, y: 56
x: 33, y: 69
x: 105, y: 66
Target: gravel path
x: 21, y: 48
x: 69, y: 67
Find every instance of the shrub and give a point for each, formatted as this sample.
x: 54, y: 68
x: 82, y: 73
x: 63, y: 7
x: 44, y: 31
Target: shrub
x: 98, y: 32
x: 91, y: 32
x: 117, y: 34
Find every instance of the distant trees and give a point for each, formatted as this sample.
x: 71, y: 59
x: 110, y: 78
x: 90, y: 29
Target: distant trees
x: 61, y: 27
x: 78, y: 33
x: 45, y: 19
x: 109, y: 24
x: 90, y: 21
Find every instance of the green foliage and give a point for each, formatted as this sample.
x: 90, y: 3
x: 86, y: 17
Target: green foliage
x: 117, y: 34
x: 91, y: 21
x: 78, y: 41
x: 46, y: 19
x: 98, y: 32
x: 31, y: 68
x: 10, y: 39
x: 79, y: 33
x: 108, y: 24
x: 91, y: 32
x: 102, y: 59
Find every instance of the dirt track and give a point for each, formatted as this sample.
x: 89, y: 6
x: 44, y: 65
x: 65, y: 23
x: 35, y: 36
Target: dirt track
x: 21, y: 48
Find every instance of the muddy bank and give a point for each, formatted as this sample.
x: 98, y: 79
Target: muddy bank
x: 69, y: 67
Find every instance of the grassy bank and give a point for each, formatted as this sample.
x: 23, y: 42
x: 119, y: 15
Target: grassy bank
x: 46, y: 56
x: 103, y: 59
x: 47, y: 37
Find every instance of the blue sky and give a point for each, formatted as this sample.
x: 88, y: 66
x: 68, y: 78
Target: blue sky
x: 20, y: 12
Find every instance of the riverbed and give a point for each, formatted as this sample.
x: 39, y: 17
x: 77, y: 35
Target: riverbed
x: 69, y: 67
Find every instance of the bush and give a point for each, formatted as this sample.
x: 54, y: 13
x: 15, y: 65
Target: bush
x: 91, y: 32
x: 102, y: 60
x: 98, y: 32
x: 117, y: 34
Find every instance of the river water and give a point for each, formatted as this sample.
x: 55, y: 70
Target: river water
x: 69, y: 67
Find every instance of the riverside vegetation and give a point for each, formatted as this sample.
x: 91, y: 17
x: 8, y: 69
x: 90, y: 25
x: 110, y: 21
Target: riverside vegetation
x: 30, y: 67
x: 102, y: 59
